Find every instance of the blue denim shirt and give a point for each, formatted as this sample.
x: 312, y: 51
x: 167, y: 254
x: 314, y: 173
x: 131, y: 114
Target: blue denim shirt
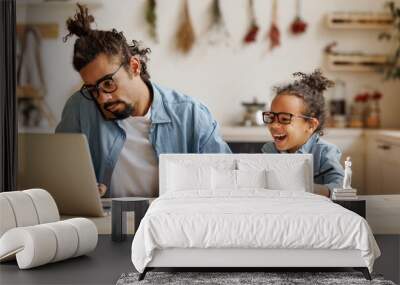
x: 179, y: 124
x: 327, y: 168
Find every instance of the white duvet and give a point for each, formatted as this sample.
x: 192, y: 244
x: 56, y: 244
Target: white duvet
x: 250, y: 218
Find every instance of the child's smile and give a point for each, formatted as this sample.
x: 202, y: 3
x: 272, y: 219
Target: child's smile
x: 279, y: 138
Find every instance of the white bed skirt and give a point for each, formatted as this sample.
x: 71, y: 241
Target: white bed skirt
x: 193, y: 257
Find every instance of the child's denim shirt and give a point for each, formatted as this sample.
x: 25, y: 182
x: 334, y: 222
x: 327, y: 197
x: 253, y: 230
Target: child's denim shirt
x: 327, y: 168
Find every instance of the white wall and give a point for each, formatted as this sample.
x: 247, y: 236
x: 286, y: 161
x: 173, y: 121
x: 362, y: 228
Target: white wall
x: 222, y: 76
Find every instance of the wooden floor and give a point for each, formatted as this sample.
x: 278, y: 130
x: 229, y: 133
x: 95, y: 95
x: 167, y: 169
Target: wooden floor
x: 110, y: 260
x: 102, y: 266
x: 383, y: 213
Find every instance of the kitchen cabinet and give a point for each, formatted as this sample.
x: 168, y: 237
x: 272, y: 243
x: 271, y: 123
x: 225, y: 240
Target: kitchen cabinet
x: 383, y: 165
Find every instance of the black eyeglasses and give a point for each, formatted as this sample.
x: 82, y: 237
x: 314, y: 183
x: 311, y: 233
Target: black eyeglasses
x: 106, y: 84
x: 283, y: 118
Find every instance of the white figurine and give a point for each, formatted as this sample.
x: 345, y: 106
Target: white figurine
x: 347, y: 174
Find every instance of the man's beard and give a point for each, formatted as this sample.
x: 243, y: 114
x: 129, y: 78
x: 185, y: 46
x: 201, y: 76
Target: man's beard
x: 119, y: 115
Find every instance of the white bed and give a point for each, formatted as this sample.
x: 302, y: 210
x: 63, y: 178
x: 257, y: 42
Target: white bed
x: 226, y: 211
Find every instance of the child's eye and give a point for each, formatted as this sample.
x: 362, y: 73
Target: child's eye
x: 285, y: 118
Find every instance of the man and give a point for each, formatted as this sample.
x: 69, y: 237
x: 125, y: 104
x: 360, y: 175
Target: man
x: 128, y: 120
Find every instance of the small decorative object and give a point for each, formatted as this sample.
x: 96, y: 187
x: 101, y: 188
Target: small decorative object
x: 253, y: 113
x: 298, y: 26
x: 274, y: 33
x: 185, y: 36
x: 347, y: 174
x: 372, y: 119
x: 151, y: 18
x: 252, y: 33
x: 346, y: 192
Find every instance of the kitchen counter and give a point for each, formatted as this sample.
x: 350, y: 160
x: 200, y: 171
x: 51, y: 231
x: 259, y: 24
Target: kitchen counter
x: 386, y: 135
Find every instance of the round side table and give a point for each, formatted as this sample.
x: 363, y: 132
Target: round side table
x: 119, y: 207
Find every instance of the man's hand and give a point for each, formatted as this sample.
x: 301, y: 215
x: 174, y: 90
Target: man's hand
x: 102, y: 189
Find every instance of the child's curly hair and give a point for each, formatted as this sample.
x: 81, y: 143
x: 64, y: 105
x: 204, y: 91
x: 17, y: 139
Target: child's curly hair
x: 310, y: 87
x: 91, y: 43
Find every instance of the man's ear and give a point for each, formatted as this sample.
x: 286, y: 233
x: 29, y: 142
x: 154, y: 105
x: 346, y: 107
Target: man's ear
x: 135, y: 66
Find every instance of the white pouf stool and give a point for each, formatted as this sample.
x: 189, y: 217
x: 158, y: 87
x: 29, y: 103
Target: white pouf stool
x: 31, y: 232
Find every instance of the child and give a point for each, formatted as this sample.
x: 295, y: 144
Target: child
x: 296, y: 121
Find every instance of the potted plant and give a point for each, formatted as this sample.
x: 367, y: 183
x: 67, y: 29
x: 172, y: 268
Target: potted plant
x: 391, y: 69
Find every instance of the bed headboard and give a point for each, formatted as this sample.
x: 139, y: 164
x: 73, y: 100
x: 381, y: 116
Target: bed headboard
x: 232, y: 161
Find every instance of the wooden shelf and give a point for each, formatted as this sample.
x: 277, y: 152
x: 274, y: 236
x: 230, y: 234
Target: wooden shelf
x: 46, y: 30
x: 359, y: 20
x: 355, y: 62
x: 91, y: 4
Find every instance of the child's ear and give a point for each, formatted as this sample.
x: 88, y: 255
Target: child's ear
x: 313, y: 124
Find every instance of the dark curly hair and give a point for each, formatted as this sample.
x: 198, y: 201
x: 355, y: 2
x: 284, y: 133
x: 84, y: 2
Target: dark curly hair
x: 310, y: 88
x: 91, y: 43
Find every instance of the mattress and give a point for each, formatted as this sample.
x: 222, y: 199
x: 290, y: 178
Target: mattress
x: 251, y: 219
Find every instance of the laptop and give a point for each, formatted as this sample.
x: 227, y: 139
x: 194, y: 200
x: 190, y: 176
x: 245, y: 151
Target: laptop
x: 62, y: 165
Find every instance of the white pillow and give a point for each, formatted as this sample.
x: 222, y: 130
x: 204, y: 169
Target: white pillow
x: 226, y: 179
x: 282, y: 173
x: 251, y: 178
x: 188, y: 177
x: 223, y: 179
x: 291, y: 177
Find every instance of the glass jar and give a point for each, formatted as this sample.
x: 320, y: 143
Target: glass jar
x: 357, y: 114
x: 372, y: 119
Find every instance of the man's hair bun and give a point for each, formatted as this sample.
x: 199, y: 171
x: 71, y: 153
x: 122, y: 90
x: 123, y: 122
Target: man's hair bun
x: 79, y: 25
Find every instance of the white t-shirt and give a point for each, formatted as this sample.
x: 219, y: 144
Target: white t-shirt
x: 136, y: 171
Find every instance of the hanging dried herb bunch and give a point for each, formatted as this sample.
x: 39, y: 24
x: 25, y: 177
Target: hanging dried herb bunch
x: 185, y: 36
x: 298, y: 25
x: 253, y: 30
x: 217, y: 29
x: 215, y: 13
x: 151, y: 18
x: 274, y: 34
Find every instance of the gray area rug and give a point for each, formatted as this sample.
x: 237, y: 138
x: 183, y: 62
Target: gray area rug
x: 226, y: 278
